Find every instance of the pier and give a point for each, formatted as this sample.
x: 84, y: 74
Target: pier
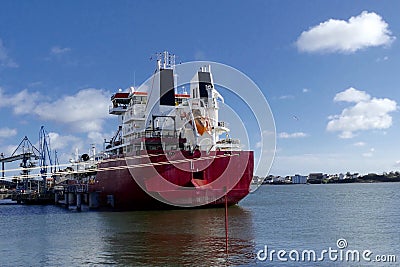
x: 72, y: 195
x: 75, y: 195
x: 40, y: 181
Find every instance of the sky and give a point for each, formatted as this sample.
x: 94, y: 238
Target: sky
x: 328, y: 69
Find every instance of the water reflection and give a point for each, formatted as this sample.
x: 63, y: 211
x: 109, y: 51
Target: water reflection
x: 180, y: 237
x: 282, y: 217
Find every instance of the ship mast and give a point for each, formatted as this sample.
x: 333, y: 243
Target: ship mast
x: 165, y: 60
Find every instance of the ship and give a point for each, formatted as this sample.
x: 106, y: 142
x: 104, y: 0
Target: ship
x: 171, y: 149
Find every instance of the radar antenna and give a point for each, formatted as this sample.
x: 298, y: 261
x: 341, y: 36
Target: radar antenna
x: 165, y: 60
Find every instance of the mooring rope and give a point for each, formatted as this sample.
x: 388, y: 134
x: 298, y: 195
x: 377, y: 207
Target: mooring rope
x: 112, y: 168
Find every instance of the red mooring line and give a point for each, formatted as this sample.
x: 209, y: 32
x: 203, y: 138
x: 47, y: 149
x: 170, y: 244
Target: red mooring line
x: 226, y: 224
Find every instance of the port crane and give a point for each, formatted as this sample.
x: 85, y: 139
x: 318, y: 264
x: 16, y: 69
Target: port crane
x: 29, y: 154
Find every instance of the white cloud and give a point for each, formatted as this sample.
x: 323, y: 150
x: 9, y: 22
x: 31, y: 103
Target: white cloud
x: 284, y: 97
x: 67, y: 146
x: 70, y: 145
x: 58, y: 141
x: 380, y: 59
x: 285, y: 135
x: 265, y: 135
x: 98, y: 138
x: 347, y: 135
x: 352, y: 95
x: 9, y: 149
x: 62, y: 55
x: 22, y: 102
x: 367, y: 113
x: 306, y: 90
x: 56, y: 50
x: 359, y: 144
x: 7, y: 132
x: 3, y: 103
x: 365, y: 30
x: 258, y: 144
x: 5, y: 60
x: 369, y: 154
x: 84, y: 111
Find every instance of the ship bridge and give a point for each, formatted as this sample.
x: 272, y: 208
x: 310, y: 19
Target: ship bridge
x: 120, y: 102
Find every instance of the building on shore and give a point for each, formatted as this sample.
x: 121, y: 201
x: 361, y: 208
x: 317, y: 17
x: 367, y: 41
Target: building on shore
x: 299, y: 179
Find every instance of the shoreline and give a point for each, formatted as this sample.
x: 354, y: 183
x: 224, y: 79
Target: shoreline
x: 344, y: 181
x: 320, y: 178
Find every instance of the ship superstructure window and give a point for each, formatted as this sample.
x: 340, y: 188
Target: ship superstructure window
x: 139, y: 100
x: 181, y: 98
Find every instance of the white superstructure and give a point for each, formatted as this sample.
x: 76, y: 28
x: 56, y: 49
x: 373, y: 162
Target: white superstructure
x: 156, y: 110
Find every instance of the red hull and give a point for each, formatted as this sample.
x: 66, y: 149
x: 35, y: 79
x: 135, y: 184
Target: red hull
x: 183, y: 179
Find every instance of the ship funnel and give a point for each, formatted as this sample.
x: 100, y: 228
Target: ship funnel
x: 201, y: 81
x: 164, y: 78
x: 167, y: 88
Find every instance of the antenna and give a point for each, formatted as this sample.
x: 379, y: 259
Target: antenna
x: 165, y: 60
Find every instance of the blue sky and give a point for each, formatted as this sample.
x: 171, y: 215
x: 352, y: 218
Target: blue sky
x: 329, y: 70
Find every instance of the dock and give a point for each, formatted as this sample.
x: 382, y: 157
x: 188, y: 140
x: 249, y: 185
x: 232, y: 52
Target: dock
x: 40, y: 180
x: 75, y: 196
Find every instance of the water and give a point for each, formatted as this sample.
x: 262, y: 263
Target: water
x: 296, y: 217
